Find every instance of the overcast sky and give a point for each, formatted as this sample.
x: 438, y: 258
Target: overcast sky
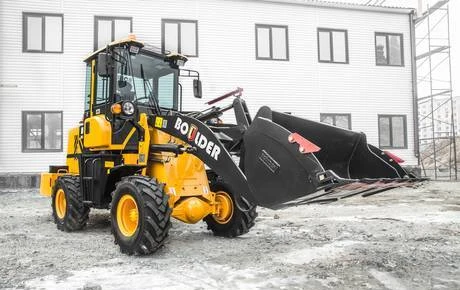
x: 454, y: 11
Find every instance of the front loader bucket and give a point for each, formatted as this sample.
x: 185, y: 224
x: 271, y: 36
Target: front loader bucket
x: 279, y: 175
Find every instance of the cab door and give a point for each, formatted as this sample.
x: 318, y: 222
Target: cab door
x: 97, y: 131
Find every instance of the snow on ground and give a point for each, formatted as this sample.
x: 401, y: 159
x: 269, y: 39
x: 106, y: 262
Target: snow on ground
x: 400, y: 239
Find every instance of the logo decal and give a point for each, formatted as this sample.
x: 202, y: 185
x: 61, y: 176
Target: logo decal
x: 192, y: 132
x: 194, y: 136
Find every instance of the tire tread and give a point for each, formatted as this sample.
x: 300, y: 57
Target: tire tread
x: 77, y: 213
x: 241, y: 222
x: 157, y: 216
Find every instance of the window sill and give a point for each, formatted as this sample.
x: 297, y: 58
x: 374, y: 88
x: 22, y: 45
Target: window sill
x: 333, y: 62
x: 41, y: 51
x: 391, y: 65
x: 272, y: 59
x: 394, y: 148
x: 41, y: 150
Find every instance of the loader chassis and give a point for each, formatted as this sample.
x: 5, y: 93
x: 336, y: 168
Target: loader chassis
x: 130, y: 161
x: 137, y: 153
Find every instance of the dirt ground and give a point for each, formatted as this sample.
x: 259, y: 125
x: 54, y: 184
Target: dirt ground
x: 400, y: 239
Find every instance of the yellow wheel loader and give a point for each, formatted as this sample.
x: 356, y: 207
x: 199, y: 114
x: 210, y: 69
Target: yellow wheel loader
x: 139, y: 154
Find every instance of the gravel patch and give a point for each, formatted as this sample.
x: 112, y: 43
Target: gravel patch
x: 400, y: 239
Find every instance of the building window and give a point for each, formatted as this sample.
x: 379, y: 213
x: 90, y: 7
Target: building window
x: 338, y: 120
x: 109, y: 28
x: 389, y: 49
x: 332, y: 45
x: 42, y: 32
x: 392, y: 131
x: 272, y: 42
x: 41, y: 131
x: 180, y: 36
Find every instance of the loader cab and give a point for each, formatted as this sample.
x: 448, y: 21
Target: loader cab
x: 127, y: 83
x: 131, y: 72
x: 124, y: 80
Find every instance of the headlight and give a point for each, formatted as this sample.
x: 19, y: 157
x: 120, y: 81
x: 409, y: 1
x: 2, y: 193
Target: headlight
x: 128, y: 108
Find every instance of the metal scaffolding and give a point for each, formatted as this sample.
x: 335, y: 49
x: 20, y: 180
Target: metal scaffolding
x: 436, y: 107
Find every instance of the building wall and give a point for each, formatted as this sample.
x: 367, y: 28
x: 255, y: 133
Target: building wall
x: 226, y: 31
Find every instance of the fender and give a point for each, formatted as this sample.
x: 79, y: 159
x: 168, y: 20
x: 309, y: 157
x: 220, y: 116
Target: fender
x: 209, y: 150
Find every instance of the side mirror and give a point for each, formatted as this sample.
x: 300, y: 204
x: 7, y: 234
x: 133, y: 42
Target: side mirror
x: 104, y: 64
x: 197, y: 89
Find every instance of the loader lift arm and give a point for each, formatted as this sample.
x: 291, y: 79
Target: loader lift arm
x: 231, y: 135
x: 210, y: 150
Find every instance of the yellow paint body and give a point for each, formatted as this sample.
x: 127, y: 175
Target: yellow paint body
x: 73, y: 148
x: 127, y: 215
x: 60, y: 204
x: 184, y: 175
x: 100, y: 135
x: 185, y: 180
x: 47, y: 181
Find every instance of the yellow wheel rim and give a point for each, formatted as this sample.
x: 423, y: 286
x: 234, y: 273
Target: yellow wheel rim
x: 60, y: 203
x: 224, y: 207
x: 127, y: 215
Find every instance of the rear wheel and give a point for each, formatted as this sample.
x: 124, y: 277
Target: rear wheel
x: 140, y: 215
x: 230, y: 221
x: 69, y: 212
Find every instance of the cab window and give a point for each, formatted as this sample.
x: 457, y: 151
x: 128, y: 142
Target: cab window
x: 149, y: 79
x: 88, y: 87
x: 102, y: 90
x: 166, y: 91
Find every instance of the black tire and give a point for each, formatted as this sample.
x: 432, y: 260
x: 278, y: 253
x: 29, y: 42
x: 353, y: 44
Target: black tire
x: 76, y: 213
x: 240, y: 222
x: 154, y: 215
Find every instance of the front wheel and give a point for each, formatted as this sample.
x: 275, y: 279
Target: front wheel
x: 140, y: 215
x: 230, y: 221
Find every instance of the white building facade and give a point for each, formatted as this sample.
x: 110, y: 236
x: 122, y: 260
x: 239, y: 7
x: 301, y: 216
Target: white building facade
x: 348, y: 65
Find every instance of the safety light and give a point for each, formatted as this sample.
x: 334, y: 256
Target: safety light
x: 116, y: 109
x: 128, y: 108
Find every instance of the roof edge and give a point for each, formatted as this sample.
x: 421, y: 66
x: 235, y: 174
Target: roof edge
x: 339, y: 5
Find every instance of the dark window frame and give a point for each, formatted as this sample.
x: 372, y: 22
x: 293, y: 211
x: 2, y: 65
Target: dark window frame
x: 25, y: 31
x: 331, y: 41
x: 387, y: 40
x: 42, y: 140
x: 334, y: 115
x: 179, y: 23
x: 112, y: 19
x: 270, y: 26
x: 390, y: 116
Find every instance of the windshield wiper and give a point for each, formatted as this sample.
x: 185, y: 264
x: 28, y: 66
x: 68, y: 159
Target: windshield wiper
x: 150, y: 95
